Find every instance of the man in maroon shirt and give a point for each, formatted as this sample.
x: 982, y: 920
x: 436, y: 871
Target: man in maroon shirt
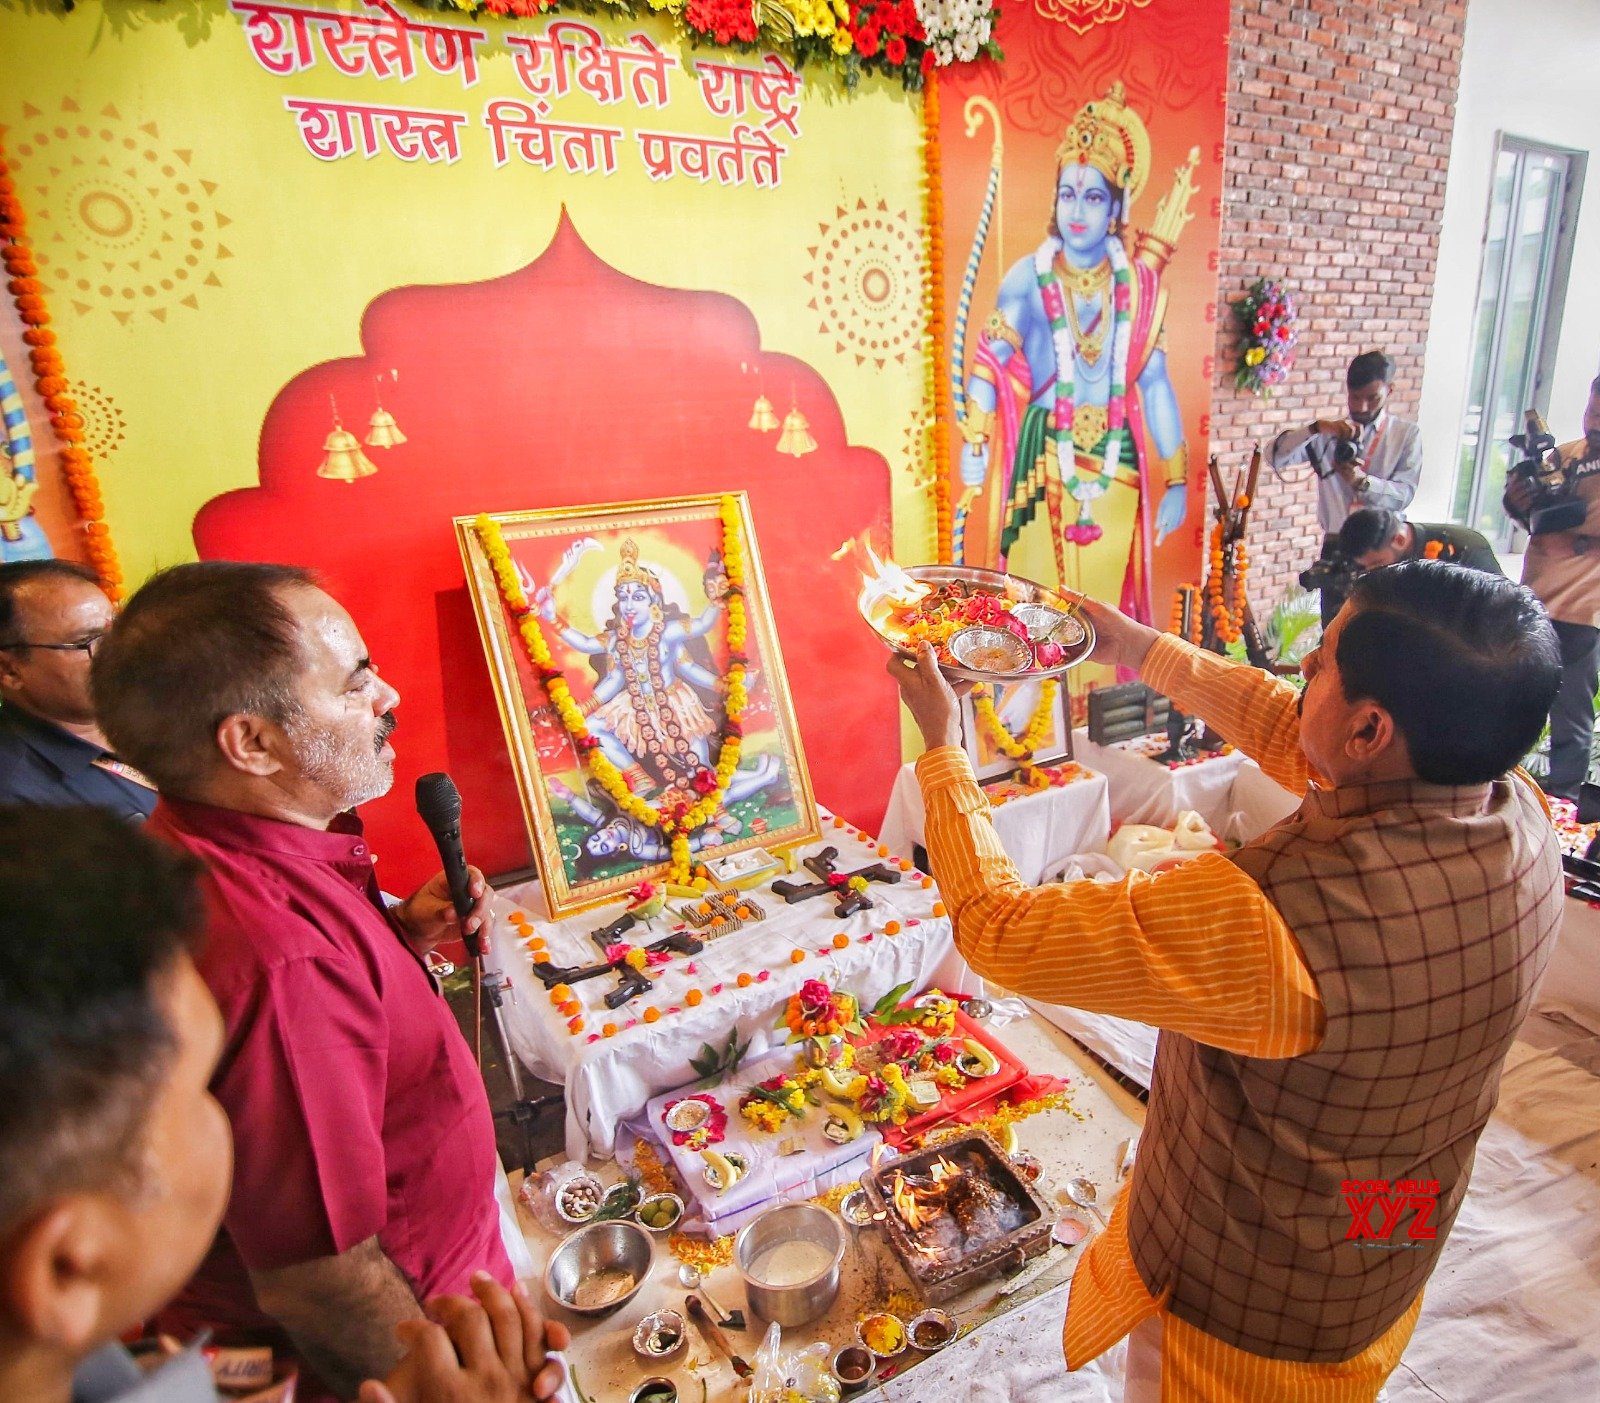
x: 364, y: 1144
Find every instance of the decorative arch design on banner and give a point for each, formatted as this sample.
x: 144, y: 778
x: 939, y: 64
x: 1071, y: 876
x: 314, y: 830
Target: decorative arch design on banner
x: 563, y: 383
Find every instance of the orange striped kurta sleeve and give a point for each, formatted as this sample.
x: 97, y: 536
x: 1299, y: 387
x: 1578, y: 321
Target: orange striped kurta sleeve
x: 1253, y: 712
x: 1199, y: 949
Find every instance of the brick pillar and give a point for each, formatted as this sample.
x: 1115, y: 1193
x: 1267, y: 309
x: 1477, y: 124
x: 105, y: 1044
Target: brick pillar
x: 1339, y: 125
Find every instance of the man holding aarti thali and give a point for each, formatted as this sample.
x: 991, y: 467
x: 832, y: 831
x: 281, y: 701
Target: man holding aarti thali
x: 1336, y: 998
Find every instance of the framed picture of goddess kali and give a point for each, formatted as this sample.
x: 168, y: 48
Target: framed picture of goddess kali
x: 633, y: 606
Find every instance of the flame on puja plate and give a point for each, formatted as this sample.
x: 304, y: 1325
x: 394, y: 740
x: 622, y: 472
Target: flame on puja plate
x: 887, y: 590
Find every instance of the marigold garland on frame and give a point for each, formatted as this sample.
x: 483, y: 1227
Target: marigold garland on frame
x: 50, y: 379
x: 936, y: 361
x: 676, y: 818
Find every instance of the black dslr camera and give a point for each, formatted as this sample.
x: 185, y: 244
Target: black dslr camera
x: 1554, y: 505
x: 1332, y: 570
x: 1344, y: 451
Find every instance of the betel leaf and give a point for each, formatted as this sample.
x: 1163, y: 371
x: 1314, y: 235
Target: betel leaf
x: 891, y: 1001
x: 712, y: 1063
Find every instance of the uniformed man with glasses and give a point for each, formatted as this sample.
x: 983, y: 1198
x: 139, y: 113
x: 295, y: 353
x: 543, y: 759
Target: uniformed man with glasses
x: 52, y: 616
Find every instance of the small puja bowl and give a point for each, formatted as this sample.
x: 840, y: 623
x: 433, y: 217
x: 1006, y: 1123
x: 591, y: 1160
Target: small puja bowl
x: 932, y: 1330
x: 970, y: 1065
x: 983, y: 649
x: 657, y: 1390
x: 621, y: 1200
x: 660, y: 1335
x: 1070, y: 633
x: 579, y: 1199
x: 687, y: 1115
x: 1038, y: 619
x: 853, y: 1366
x: 1028, y: 1166
x: 617, y: 1255
x: 652, y: 1208
x: 886, y: 1329
x: 856, y: 1209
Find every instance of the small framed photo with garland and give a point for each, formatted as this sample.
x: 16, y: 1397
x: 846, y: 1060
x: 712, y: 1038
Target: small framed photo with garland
x: 1007, y: 725
x: 641, y: 687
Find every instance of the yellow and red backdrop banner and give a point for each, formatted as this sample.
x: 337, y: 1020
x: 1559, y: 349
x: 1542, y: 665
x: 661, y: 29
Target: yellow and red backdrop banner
x: 567, y: 257
x: 545, y: 263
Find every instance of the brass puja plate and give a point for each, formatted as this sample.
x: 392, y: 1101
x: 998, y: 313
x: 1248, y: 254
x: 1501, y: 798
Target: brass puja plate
x: 1048, y: 615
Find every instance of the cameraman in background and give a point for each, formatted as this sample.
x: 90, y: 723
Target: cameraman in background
x: 1562, y: 567
x: 1371, y: 459
x: 1374, y: 537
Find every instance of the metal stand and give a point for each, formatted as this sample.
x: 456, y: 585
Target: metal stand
x: 523, y: 1110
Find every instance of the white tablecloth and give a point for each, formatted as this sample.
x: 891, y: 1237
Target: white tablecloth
x: 1143, y: 791
x: 609, y: 1078
x: 1036, y: 829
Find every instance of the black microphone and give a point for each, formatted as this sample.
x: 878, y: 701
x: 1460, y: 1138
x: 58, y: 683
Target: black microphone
x: 439, y: 804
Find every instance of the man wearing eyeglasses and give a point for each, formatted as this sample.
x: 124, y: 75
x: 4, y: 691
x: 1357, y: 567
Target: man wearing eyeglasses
x: 52, y: 616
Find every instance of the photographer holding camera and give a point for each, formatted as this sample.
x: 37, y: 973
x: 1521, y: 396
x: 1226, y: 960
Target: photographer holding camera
x: 1555, y: 493
x: 1370, y: 459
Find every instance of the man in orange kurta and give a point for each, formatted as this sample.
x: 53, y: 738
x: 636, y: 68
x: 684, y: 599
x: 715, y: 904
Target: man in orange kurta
x: 1336, y: 998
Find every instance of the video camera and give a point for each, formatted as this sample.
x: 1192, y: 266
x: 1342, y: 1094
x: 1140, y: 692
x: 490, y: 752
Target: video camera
x: 1554, y: 506
x: 1332, y: 570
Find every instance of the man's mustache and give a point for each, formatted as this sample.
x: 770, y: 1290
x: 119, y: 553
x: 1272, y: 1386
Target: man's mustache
x: 386, y: 725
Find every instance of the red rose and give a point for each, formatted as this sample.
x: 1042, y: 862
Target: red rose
x: 895, y: 51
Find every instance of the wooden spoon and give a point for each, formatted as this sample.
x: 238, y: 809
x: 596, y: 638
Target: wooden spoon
x: 713, y: 1332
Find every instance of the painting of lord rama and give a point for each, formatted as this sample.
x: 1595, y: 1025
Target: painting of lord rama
x: 1068, y: 405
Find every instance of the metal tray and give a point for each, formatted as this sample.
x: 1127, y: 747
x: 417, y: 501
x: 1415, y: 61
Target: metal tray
x: 1016, y: 589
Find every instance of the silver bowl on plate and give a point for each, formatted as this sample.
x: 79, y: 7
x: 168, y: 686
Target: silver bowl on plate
x: 600, y: 1268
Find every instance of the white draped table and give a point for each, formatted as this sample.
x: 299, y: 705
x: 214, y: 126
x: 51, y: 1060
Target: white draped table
x: 1145, y: 791
x: 1036, y: 829
x: 608, y: 1078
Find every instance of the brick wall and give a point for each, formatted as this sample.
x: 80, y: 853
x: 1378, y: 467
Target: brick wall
x: 1339, y: 130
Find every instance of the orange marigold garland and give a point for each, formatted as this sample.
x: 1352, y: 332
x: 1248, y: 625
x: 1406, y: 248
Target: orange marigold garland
x: 935, y: 363
x: 22, y: 282
x: 1195, y: 622
x: 1227, y: 615
x: 677, y: 817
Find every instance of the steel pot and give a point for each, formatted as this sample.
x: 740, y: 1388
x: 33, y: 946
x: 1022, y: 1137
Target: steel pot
x: 791, y: 1302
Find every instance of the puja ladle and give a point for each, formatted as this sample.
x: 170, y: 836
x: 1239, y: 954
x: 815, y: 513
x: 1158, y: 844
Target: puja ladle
x: 1083, y: 1193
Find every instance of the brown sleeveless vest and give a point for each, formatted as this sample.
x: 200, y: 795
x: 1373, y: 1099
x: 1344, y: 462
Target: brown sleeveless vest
x: 1426, y: 914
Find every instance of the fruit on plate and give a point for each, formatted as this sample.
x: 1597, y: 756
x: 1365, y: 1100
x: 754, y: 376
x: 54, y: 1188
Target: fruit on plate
x: 835, y: 1084
x: 976, y: 1060
x: 722, y: 1171
x: 842, y: 1125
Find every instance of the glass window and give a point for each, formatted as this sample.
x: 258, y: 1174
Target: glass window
x: 1532, y: 203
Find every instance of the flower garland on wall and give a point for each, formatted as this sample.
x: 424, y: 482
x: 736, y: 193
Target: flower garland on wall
x: 903, y: 39
x: 936, y: 362
x: 1267, y: 318
x: 22, y: 282
x: 676, y: 817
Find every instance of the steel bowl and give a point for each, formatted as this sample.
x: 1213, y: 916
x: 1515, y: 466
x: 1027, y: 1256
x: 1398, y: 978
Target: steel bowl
x: 799, y: 1302
x: 619, y: 1246
x: 938, y: 1326
x: 672, y: 1200
x: 654, y: 1327
x: 1019, y: 591
x: 990, y: 652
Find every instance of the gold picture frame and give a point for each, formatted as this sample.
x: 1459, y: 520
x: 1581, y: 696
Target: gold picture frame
x: 623, y: 594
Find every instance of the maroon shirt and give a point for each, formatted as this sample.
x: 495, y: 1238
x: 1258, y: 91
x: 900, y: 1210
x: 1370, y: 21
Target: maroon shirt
x: 357, y: 1109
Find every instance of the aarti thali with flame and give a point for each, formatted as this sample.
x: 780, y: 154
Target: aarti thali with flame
x: 985, y: 625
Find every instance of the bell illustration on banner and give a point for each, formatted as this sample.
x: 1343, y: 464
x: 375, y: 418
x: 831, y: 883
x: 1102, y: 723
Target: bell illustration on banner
x: 342, y: 458
x: 763, y: 416
x: 382, y: 431
x: 796, y: 437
